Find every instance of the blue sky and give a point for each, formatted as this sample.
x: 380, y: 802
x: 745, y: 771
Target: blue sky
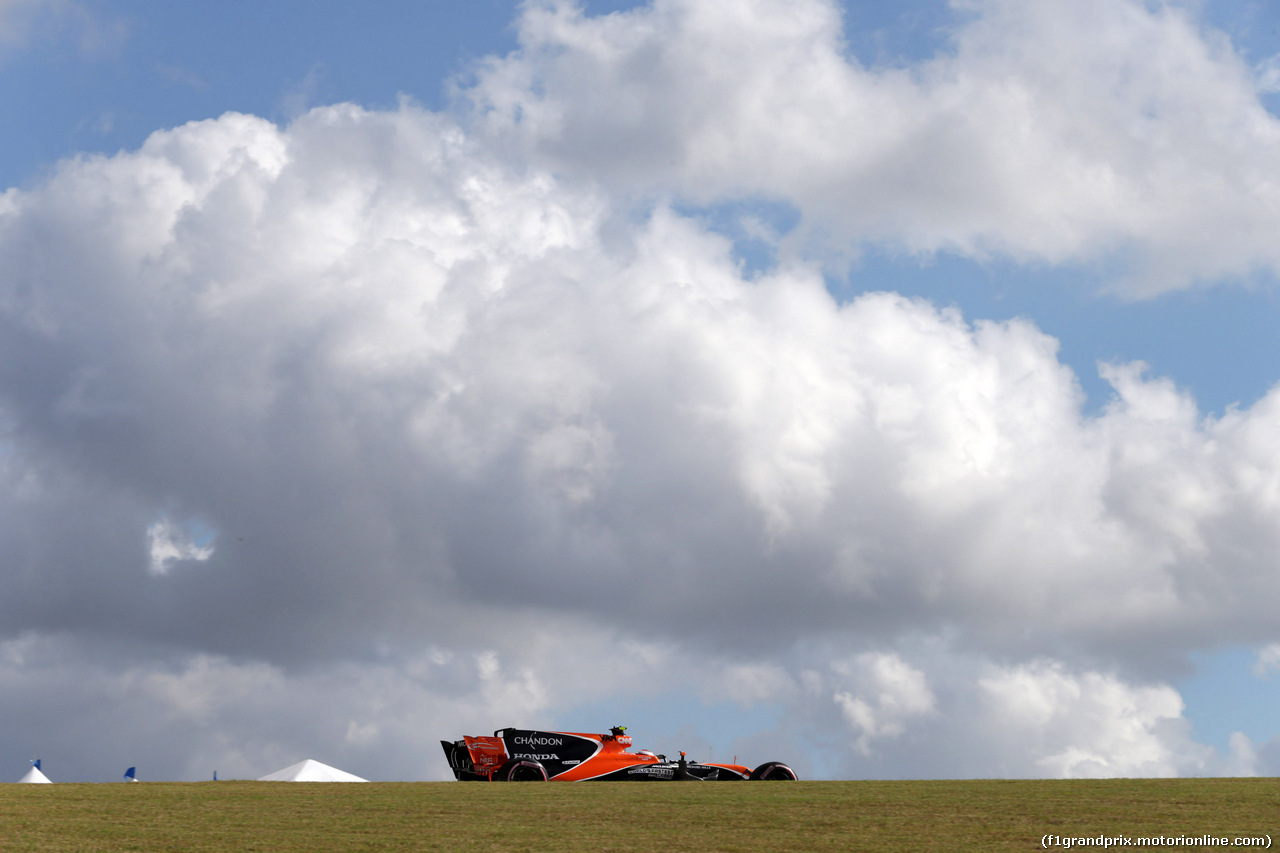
x: 105, y: 76
x: 567, y: 324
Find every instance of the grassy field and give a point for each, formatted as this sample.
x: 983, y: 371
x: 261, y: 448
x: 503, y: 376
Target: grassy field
x: 810, y: 816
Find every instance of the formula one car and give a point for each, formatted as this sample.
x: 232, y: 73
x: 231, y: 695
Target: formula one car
x: 524, y: 755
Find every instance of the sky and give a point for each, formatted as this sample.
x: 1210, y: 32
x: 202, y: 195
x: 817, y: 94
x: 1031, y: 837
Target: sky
x: 884, y: 388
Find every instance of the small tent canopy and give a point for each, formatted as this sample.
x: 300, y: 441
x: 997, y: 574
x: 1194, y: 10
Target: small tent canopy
x: 34, y: 775
x: 311, y: 771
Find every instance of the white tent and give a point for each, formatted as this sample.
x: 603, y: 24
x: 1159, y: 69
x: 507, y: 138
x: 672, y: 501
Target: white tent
x: 311, y: 771
x: 34, y: 775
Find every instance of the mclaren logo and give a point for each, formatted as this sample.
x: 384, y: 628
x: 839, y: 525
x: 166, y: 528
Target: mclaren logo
x: 537, y: 741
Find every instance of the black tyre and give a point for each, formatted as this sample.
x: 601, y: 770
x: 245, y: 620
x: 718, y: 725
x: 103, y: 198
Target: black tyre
x: 520, y: 770
x: 773, y: 771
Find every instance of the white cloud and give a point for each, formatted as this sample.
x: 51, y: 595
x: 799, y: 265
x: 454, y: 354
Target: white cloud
x: 889, y: 693
x: 895, y: 715
x: 1268, y: 660
x: 169, y: 543
x: 1242, y: 757
x: 1059, y: 132
x: 1091, y: 725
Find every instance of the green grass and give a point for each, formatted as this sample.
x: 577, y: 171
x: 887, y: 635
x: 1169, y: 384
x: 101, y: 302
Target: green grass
x: 810, y: 816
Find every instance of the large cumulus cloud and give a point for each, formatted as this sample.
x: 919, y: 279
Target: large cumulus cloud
x: 387, y: 416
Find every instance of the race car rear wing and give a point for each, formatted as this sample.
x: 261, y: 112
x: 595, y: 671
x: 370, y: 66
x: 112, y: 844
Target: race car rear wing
x: 475, y: 757
x: 487, y: 753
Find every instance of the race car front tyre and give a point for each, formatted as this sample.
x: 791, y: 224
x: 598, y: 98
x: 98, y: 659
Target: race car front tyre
x: 773, y: 771
x: 520, y: 770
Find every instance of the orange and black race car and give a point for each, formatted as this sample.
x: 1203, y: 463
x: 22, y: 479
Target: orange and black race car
x: 520, y: 755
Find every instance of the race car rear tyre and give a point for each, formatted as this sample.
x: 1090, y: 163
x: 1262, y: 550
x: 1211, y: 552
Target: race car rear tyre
x: 773, y: 771
x: 520, y: 770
